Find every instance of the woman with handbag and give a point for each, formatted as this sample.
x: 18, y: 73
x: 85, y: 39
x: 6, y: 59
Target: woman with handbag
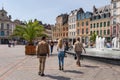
x: 78, y: 50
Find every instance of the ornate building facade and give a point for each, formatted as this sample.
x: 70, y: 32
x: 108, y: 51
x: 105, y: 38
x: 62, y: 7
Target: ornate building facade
x: 61, y: 27
x: 115, y: 17
x: 83, y: 25
x: 100, y: 22
x: 6, y: 26
x: 72, y: 25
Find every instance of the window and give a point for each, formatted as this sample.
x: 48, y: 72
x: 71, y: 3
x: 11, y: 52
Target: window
x: 79, y: 16
x: 97, y: 24
x: 97, y: 32
x: 94, y: 25
x: 91, y: 25
x: 82, y: 23
x: 66, y: 34
x: 90, y: 32
x: 94, y: 17
x: 104, y: 24
x: 74, y: 26
x: 82, y: 39
x: 100, y: 32
x: 74, y: 33
x: 82, y: 31
x: 108, y: 32
x: 108, y: 23
x: 78, y: 24
x: 114, y: 12
x: 70, y: 27
x: 101, y: 24
x: 82, y: 16
x: 114, y: 21
x: 97, y: 17
x: 104, y: 15
x: 87, y: 23
x: 108, y: 15
x: 104, y: 32
x: 2, y: 33
x: 114, y: 5
x: 7, y: 26
x: 78, y: 32
x: 2, y: 26
x: 87, y: 31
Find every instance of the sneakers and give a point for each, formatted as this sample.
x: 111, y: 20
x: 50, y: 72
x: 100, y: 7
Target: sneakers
x: 41, y: 74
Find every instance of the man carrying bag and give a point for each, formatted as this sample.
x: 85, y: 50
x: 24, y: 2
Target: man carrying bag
x: 78, y: 50
x: 42, y: 52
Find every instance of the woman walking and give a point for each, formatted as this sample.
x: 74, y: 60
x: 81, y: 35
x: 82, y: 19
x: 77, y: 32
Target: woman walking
x: 60, y: 49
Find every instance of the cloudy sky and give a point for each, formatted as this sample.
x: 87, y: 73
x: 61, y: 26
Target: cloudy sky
x: 46, y: 10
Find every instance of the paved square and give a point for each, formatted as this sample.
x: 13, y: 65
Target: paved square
x: 15, y: 65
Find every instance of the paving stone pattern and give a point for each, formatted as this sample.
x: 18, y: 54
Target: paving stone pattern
x: 15, y: 65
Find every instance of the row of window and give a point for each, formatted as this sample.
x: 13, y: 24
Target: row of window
x: 72, y: 34
x: 107, y: 15
x: 83, y: 24
x: 62, y: 34
x: 83, y: 31
x: 72, y: 26
x: 101, y: 32
x: 2, y: 33
x: 2, y: 26
x: 81, y: 16
x: 101, y: 24
x: 72, y: 20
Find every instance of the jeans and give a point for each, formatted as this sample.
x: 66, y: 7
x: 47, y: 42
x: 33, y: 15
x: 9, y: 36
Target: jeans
x: 61, y: 58
x: 51, y: 49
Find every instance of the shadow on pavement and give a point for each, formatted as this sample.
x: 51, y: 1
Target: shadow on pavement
x: 73, y: 71
x: 88, y: 66
x: 54, y: 54
x: 57, y: 77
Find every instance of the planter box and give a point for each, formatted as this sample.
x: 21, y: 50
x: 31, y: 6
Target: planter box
x: 30, y: 50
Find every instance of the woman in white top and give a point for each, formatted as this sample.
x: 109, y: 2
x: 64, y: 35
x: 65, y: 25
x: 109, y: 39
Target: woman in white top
x: 60, y: 49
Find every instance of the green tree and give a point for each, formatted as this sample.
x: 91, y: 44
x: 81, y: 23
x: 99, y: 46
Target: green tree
x: 30, y: 31
x: 93, y: 37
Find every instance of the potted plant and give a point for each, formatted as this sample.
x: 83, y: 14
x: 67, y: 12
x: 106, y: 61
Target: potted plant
x: 30, y: 31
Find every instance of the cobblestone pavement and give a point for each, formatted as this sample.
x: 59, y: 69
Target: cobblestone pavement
x: 14, y: 65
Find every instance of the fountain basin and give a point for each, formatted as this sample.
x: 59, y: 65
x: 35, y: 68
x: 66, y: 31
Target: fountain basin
x: 107, y: 53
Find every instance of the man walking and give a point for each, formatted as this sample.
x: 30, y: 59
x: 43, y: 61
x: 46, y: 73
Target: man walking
x: 78, y: 50
x: 42, y: 52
